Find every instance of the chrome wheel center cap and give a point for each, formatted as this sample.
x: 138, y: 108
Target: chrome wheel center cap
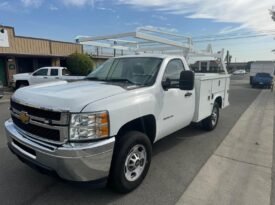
x: 135, y: 163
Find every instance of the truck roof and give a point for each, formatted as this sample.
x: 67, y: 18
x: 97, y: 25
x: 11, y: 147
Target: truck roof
x: 152, y: 55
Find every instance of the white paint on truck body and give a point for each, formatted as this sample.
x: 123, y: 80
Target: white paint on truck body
x: 208, y: 88
x: 44, y: 75
x: 171, y: 109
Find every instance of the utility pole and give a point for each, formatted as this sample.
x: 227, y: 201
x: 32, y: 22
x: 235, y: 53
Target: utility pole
x: 272, y: 13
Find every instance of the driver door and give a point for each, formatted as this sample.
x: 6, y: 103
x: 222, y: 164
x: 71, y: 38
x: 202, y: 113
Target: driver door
x: 39, y: 76
x: 178, y: 105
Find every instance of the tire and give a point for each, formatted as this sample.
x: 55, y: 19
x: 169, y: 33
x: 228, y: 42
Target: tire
x: 250, y: 80
x: 211, y: 122
x: 124, y: 179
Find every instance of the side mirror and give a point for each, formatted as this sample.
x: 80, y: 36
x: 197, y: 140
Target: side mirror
x: 166, y: 84
x: 187, y: 79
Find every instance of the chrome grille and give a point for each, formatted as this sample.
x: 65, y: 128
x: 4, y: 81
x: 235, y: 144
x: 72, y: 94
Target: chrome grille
x: 52, y: 128
x: 42, y: 114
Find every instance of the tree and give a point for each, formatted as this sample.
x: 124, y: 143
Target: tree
x: 79, y: 64
x: 228, y: 58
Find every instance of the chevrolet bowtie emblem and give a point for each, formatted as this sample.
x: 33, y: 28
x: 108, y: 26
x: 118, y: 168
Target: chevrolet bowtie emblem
x: 24, y: 117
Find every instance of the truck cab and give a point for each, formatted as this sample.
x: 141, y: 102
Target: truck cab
x: 43, y: 75
x: 104, y: 127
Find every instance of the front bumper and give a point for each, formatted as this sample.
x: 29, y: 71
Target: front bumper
x: 71, y: 161
x: 257, y: 83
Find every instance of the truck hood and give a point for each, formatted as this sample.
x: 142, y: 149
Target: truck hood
x: 62, y: 95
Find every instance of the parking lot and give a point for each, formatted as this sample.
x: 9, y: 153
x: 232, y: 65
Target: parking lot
x: 176, y: 161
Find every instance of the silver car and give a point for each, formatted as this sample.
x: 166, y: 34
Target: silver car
x: 1, y: 90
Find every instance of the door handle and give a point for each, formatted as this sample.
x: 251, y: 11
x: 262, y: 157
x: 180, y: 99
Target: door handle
x: 188, y: 94
x: 45, y: 77
x: 56, y: 77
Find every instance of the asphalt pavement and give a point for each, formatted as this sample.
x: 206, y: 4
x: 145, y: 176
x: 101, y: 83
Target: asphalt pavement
x: 239, y: 172
x: 177, y: 159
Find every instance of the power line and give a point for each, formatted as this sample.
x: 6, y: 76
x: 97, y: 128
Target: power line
x: 270, y: 31
x: 232, y: 38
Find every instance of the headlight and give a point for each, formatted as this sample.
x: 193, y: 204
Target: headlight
x: 89, y: 126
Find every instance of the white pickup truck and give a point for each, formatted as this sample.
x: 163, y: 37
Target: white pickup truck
x: 104, y: 127
x: 43, y: 75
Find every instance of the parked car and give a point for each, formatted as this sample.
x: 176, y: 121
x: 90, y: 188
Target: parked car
x: 261, y: 67
x: 104, y: 127
x: 262, y: 80
x: 239, y: 72
x: 43, y: 75
x: 1, y: 90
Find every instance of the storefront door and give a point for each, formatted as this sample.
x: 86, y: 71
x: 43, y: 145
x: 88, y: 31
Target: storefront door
x: 2, y: 72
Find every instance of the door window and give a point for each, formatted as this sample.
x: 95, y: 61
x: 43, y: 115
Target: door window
x: 54, y: 72
x: 173, y: 70
x: 41, y: 72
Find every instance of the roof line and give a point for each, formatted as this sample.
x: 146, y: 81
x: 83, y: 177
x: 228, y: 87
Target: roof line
x: 36, y: 38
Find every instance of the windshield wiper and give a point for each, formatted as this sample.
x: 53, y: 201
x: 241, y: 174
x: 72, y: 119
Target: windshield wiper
x: 121, y: 80
x: 94, y: 78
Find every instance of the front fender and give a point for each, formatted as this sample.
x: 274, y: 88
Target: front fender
x: 126, y: 107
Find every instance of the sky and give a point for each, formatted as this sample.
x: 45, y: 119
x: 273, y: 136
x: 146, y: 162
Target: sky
x: 65, y: 19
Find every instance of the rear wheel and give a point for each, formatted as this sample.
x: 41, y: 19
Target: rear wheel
x: 131, y: 161
x: 211, y: 122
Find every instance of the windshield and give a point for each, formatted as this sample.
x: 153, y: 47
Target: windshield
x: 265, y: 75
x: 134, y: 70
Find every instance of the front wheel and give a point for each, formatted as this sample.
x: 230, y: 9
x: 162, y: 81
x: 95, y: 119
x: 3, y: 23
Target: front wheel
x: 211, y: 122
x: 131, y: 161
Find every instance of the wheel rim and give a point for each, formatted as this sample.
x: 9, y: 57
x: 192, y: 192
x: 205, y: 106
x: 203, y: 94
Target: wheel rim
x: 214, y: 116
x: 135, y: 162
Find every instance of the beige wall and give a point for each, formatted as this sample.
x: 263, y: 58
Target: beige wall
x: 33, y: 46
x: 98, y: 61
